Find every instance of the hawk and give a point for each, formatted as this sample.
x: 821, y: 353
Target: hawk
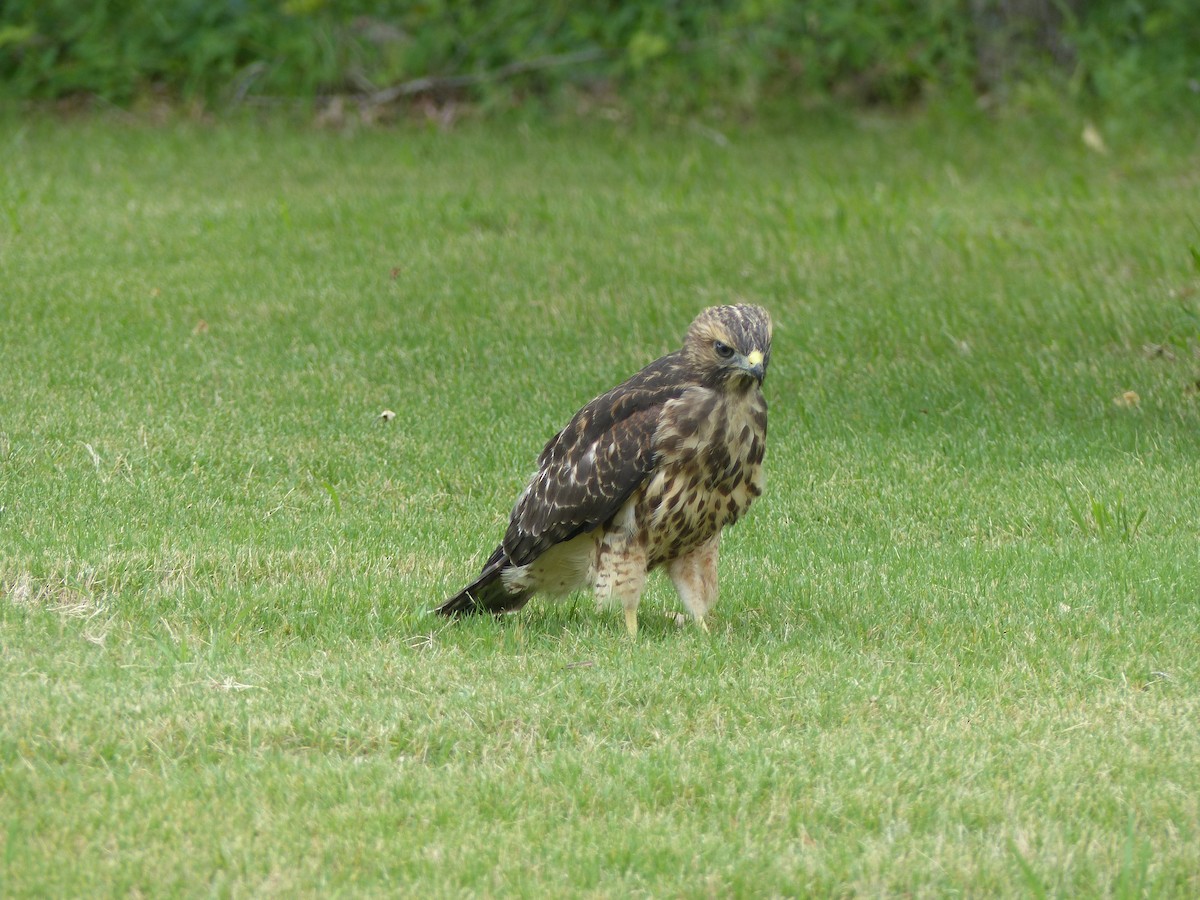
x: 645, y: 475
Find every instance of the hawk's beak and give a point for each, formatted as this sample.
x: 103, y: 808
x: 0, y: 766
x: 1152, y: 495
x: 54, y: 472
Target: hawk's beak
x: 754, y: 365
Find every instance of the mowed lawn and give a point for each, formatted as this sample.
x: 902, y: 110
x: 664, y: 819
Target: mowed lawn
x: 957, y: 649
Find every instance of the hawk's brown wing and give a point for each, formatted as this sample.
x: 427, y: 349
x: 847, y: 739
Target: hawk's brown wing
x: 589, y: 469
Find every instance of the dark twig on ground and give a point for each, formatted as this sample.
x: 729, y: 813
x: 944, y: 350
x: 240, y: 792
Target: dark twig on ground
x: 437, y: 83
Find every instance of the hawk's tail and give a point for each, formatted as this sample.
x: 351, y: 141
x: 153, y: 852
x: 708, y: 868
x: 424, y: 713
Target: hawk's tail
x: 486, y: 593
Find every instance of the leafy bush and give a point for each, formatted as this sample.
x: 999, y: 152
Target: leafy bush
x: 663, y: 53
x: 1140, y: 54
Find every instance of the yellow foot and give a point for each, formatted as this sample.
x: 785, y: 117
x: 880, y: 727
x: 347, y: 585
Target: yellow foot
x: 631, y: 621
x: 681, y: 620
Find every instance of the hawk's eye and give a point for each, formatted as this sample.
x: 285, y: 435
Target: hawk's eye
x: 723, y: 350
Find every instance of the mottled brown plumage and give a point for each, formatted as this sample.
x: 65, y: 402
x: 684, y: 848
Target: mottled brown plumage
x: 647, y: 474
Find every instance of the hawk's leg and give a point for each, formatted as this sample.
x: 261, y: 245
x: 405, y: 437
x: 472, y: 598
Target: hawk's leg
x: 621, y: 575
x: 695, y: 578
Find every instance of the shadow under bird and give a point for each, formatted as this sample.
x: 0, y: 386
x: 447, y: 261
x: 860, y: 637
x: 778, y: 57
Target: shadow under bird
x: 645, y: 475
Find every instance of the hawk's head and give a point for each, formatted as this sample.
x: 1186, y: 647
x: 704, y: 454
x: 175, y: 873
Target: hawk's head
x: 730, y: 344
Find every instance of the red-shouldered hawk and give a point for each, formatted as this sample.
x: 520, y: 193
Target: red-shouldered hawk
x: 647, y: 474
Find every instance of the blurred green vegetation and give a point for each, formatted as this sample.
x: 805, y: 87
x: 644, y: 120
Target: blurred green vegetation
x: 739, y: 56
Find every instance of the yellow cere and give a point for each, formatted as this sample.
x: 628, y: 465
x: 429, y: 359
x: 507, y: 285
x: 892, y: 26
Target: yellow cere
x: 755, y: 358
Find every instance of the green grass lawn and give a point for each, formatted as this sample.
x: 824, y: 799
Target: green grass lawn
x: 958, y: 643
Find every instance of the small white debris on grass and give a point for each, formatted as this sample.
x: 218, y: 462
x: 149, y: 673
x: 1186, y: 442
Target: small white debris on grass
x: 1093, y: 140
x: 228, y: 683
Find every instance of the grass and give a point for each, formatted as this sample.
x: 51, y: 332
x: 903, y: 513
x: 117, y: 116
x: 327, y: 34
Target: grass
x: 957, y: 646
